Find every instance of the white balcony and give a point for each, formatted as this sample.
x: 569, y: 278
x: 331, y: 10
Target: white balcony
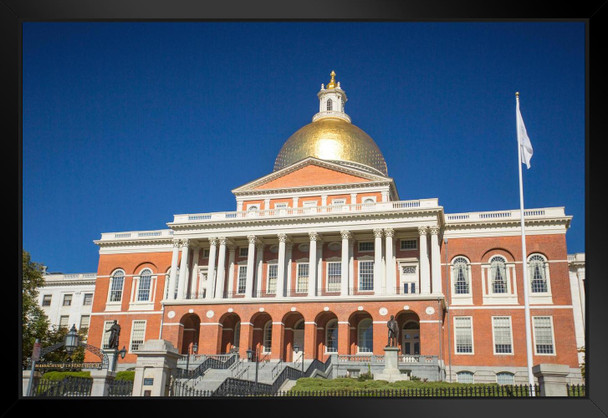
x: 307, y: 211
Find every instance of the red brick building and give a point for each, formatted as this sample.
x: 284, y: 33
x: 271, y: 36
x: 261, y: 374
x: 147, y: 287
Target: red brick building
x: 321, y: 252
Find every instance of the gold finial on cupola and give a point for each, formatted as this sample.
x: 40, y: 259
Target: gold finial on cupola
x: 332, y: 83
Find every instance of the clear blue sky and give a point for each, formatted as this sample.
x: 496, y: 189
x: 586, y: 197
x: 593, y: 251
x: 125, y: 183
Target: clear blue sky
x: 127, y: 124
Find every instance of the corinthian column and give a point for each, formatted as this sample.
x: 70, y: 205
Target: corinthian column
x: 378, y: 262
x: 250, y: 266
x: 390, y: 265
x: 221, y: 269
x: 312, y: 264
x: 344, y: 263
x: 173, y: 273
x: 211, y: 269
x: 183, y: 270
x: 425, y: 279
x: 435, y: 260
x: 281, y: 266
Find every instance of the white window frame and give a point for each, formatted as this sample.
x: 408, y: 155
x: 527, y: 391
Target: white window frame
x: 359, y: 249
x: 243, y: 251
x: 272, y: 290
x: 504, y: 373
x: 105, y: 336
x: 403, y: 247
x: 88, y: 322
x: 302, y: 280
x: 462, y: 296
x: 67, y: 297
x: 415, y: 280
x: 150, y: 289
x: 367, y: 273
x: 329, y: 324
x: 111, y: 291
x: 491, y: 277
x: 334, y: 286
x: 64, y: 321
x: 241, y: 279
x: 491, y: 298
x: 267, y: 337
x: 134, y: 329
x: 540, y: 297
x: 88, y: 299
x: 534, y: 331
x: 510, y: 335
x: 472, y: 334
x: 462, y: 372
x: 359, y: 336
x: 46, y: 300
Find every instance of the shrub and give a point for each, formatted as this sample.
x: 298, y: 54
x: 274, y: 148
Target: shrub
x: 56, y: 375
x: 125, y: 375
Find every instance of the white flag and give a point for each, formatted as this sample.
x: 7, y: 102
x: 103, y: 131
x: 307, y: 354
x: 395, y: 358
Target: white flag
x: 525, y: 147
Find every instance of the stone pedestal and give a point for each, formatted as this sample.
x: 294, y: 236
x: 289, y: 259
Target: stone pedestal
x: 156, y: 361
x: 112, y: 355
x: 101, y: 381
x: 391, y: 372
x: 552, y: 379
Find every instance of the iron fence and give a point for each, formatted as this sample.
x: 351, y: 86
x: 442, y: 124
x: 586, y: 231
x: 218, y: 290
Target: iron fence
x: 70, y: 386
x: 576, y: 390
x: 120, y: 388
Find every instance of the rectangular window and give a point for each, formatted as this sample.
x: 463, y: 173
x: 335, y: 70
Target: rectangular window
x: 63, y: 321
x: 366, y: 275
x: 543, y: 335
x: 46, y: 300
x: 273, y: 271
x: 243, y: 251
x: 501, y: 329
x: 366, y: 246
x: 87, y: 299
x: 67, y: 300
x: 463, y: 334
x: 85, y: 320
x: 334, y: 276
x: 106, y: 335
x: 302, y: 278
x: 409, y: 244
x: 206, y: 253
x: 143, y: 291
x: 242, y: 280
x: 138, y: 332
x: 116, y: 288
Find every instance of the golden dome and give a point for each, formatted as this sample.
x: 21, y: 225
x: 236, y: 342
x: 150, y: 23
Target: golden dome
x: 334, y: 140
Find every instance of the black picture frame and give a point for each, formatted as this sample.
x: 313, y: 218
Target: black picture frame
x: 594, y: 13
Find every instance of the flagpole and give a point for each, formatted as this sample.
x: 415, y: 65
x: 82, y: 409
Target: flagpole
x: 524, y: 265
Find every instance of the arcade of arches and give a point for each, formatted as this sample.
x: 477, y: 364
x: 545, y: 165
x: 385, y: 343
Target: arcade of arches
x: 287, y: 336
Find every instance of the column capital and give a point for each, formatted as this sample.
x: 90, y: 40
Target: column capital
x: 213, y: 240
x: 423, y: 230
x: 346, y: 234
x: 184, y: 242
x: 378, y: 232
x: 434, y: 230
x: 389, y: 232
x: 252, y: 239
x: 314, y: 236
x: 223, y: 240
x: 176, y: 243
x: 283, y: 237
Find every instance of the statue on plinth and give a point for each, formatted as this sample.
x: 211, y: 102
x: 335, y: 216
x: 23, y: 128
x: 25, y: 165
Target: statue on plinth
x: 393, y: 330
x: 114, y: 334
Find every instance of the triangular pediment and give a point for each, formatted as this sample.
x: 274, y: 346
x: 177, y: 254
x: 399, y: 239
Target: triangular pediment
x: 311, y: 172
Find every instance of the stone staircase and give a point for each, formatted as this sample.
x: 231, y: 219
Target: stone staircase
x: 241, y: 369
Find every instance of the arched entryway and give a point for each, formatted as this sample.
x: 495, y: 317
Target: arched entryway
x: 231, y: 333
x: 261, y: 338
x: 293, y: 342
x: 190, y: 328
x: 327, y: 334
x: 362, y: 333
x: 409, y: 328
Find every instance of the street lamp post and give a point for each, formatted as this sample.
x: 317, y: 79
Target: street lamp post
x: 252, y: 355
x: 297, y: 350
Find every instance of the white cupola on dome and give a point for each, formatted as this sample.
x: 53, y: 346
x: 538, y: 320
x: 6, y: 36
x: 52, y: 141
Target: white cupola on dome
x: 331, y: 101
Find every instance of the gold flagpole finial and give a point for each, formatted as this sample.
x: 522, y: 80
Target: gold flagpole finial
x: 517, y: 93
x: 332, y: 82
